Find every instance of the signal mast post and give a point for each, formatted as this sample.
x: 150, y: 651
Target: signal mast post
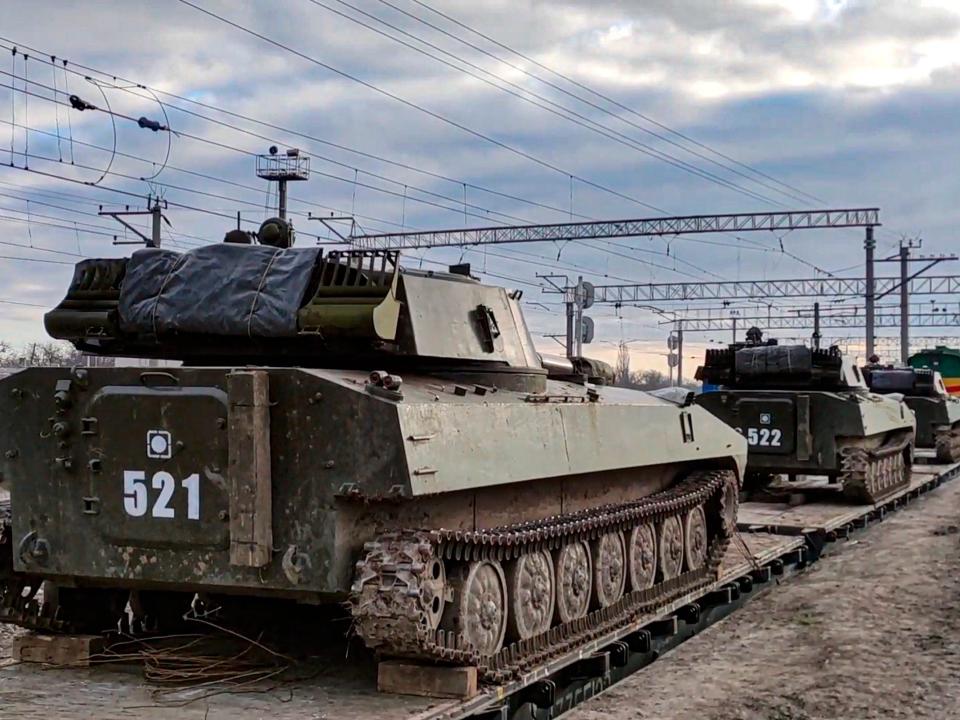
x: 281, y: 169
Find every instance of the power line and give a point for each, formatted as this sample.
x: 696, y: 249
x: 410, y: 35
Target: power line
x: 591, y: 272
x: 345, y: 180
x: 508, y: 257
x: 17, y: 302
x: 583, y: 86
x: 350, y: 181
x: 386, y: 93
x: 197, y: 174
x: 571, y: 115
x: 372, y: 156
x: 37, y: 260
x: 126, y: 89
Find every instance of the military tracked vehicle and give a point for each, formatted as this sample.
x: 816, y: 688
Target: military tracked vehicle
x: 923, y: 390
x: 341, y: 429
x: 808, y: 411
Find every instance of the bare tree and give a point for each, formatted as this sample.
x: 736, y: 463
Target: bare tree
x: 621, y: 373
x: 37, y: 354
x: 643, y: 380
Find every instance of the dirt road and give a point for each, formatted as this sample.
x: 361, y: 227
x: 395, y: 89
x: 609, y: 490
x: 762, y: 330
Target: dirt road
x: 872, y: 631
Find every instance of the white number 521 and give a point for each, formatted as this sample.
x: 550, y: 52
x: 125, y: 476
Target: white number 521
x: 135, y: 494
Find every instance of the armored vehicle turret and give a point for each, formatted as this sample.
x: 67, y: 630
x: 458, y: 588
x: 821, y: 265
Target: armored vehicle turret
x: 808, y: 411
x: 923, y: 390
x: 342, y: 429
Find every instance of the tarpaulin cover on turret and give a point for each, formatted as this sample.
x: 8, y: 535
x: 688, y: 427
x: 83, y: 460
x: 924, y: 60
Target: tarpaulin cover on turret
x: 224, y: 289
x: 774, y: 360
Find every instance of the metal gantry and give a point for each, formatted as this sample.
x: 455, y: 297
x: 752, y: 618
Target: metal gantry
x: 753, y: 289
x: 795, y: 322
x: 644, y: 227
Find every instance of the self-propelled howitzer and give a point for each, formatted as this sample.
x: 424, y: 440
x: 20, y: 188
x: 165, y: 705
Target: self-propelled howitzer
x: 343, y: 429
x: 807, y: 411
x: 923, y: 391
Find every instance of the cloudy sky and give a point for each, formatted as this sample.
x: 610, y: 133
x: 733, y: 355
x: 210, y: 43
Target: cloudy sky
x: 434, y: 113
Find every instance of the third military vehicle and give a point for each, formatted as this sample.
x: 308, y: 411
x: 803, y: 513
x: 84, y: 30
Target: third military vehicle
x: 808, y: 411
x: 335, y: 428
x: 937, y: 412
x: 945, y: 360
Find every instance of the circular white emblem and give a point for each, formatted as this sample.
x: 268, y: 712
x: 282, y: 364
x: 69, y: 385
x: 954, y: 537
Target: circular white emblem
x: 158, y: 444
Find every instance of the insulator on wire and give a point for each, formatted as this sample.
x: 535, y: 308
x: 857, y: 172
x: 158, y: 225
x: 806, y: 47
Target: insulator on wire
x: 79, y: 103
x: 151, y: 124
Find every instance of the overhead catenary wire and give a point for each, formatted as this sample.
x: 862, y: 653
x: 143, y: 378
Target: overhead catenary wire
x: 420, y: 108
x: 13, y: 103
x: 505, y: 256
x: 6, y: 42
x: 56, y: 108
x: 509, y: 255
x: 583, y: 86
x: 501, y: 255
x: 26, y: 111
x: 485, y: 215
x: 380, y: 158
x: 542, y: 102
x: 37, y: 260
x: 24, y: 304
x: 66, y: 87
x: 200, y: 175
x: 381, y: 189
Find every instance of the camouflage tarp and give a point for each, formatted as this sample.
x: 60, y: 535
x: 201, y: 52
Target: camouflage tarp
x: 774, y: 360
x: 225, y: 289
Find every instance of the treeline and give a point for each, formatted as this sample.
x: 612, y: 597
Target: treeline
x: 642, y: 380
x: 45, y: 354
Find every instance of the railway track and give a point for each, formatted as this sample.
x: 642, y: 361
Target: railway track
x: 776, y: 540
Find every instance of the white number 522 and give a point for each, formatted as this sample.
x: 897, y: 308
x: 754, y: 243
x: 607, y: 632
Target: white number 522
x: 764, y: 437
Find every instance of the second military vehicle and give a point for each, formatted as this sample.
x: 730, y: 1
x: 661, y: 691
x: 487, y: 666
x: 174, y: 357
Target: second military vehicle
x: 937, y: 412
x: 808, y: 411
x: 344, y: 430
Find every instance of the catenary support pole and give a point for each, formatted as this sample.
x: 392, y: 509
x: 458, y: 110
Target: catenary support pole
x: 679, y: 352
x: 816, y: 326
x: 869, y: 245
x: 578, y: 320
x: 904, y: 303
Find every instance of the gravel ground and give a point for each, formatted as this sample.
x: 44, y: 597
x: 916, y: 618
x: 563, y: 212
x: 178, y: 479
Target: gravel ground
x: 871, y: 632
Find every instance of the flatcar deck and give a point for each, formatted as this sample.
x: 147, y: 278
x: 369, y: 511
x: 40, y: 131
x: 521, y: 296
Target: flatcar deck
x: 775, y: 540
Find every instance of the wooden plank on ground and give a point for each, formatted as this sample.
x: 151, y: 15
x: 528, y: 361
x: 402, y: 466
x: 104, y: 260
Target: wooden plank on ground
x: 63, y: 650
x: 748, y: 550
x: 249, y: 479
x: 408, y: 678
